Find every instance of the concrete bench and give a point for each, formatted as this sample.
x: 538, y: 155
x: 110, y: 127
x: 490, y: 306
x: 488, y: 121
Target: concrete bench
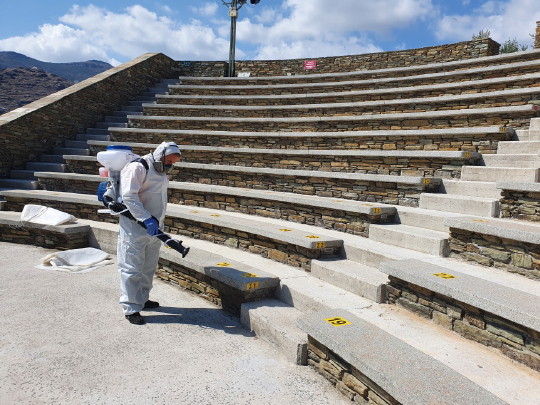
x: 487, y: 312
x: 285, y: 244
x: 271, y: 87
x: 372, y: 365
x: 346, y: 95
x: 440, y: 102
x: 502, y: 62
x: 474, y: 117
x: 66, y: 236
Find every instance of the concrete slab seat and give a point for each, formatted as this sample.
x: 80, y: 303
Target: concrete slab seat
x: 345, y: 94
x: 504, y: 61
x: 520, y: 200
x: 512, y: 97
x: 399, y: 190
x: 67, y: 236
x: 488, y: 312
x: 520, y: 68
x: 354, y: 355
x: 282, y: 243
x: 474, y: 139
x: 507, y: 244
x: 514, y: 116
x: 420, y: 163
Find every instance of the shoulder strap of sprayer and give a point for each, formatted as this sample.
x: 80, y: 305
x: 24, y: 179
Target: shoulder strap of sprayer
x: 141, y: 161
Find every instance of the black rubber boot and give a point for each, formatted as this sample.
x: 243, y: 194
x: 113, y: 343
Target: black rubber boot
x: 136, y: 319
x: 151, y: 304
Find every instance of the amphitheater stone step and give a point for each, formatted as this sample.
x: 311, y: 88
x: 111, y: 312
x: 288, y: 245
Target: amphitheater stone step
x: 423, y: 218
x: 411, y: 237
x: 275, y: 322
x: 482, y: 173
x: 518, y: 147
x: 514, y: 161
x: 525, y: 135
x: 335, y: 332
x: 22, y: 174
x: 361, y: 280
x: 90, y: 137
x: 70, y: 151
x: 44, y: 166
x: 77, y: 144
x: 468, y: 205
x: 14, y: 184
x: 51, y: 159
x: 485, y: 189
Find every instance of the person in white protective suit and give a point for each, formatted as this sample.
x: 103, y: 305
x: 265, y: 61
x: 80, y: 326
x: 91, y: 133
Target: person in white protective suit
x: 144, y: 192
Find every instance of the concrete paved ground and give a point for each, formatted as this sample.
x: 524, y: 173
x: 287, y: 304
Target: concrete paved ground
x: 64, y: 340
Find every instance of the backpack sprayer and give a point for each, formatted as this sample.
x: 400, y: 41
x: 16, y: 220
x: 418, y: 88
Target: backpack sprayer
x: 114, y: 159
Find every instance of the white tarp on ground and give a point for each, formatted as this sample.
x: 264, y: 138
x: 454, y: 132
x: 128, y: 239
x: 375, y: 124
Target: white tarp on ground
x: 40, y: 214
x: 75, y: 260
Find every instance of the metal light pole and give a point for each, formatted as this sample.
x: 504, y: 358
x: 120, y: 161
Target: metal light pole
x: 234, y: 6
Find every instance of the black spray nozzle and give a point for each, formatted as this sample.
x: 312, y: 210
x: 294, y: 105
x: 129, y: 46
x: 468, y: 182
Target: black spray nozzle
x: 173, y: 244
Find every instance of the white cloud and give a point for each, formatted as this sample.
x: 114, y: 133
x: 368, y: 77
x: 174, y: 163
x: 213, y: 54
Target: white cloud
x: 96, y: 33
x: 320, y: 28
x: 207, y: 9
x: 505, y: 20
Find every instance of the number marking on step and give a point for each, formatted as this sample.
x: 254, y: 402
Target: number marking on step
x: 337, y: 321
x: 249, y: 275
x: 251, y: 286
x: 444, y: 275
x: 319, y: 245
x: 223, y: 264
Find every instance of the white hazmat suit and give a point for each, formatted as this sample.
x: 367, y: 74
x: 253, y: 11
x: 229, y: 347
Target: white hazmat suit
x: 144, y: 192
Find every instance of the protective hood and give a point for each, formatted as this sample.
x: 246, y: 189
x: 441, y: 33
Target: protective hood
x: 164, y: 149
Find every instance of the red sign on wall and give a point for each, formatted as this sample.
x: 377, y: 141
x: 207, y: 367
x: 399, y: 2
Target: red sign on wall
x: 310, y: 64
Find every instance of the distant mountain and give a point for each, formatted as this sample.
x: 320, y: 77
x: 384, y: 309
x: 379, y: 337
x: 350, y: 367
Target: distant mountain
x: 20, y: 86
x: 74, y: 72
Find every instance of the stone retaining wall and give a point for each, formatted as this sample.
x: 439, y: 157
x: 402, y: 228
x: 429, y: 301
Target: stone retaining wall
x: 335, y: 219
x: 410, y: 57
x: 520, y: 205
x: 400, y: 166
x: 510, y: 255
x: 44, y: 238
x: 347, y: 379
x: 369, y: 191
x: 377, y: 122
x: 36, y: 128
x: 515, y: 341
x: 355, y: 109
x: 473, y: 143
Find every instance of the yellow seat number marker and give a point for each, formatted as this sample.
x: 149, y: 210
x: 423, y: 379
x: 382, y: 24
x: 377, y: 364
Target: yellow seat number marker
x: 319, y: 245
x: 312, y: 237
x: 337, y: 321
x: 377, y: 210
x: 223, y: 264
x: 444, y: 275
x: 249, y: 275
x: 427, y: 181
x: 251, y: 286
x: 285, y: 230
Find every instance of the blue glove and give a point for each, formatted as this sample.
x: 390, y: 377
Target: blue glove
x: 152, y: 226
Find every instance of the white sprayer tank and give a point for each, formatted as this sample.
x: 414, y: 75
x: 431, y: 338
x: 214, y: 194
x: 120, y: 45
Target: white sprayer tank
x: 116, y: 157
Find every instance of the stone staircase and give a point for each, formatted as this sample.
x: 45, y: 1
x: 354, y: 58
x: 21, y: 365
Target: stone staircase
x: 360, y: 211
x: 55, y: 162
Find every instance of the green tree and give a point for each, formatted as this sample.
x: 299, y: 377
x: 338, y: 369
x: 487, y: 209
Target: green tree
x: 512, y: 45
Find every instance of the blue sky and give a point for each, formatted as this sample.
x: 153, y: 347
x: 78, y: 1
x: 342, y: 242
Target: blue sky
x: 119, y: 30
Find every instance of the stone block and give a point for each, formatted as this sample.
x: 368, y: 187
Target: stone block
x: 442, y: 319
x: 355, y: 384
x: 478, y: 335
